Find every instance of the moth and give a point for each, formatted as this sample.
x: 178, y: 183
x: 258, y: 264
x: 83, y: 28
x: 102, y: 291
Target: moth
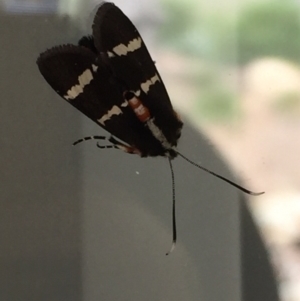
x: 111, y: 78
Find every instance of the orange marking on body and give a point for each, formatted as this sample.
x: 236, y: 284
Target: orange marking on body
x: 139, y: 109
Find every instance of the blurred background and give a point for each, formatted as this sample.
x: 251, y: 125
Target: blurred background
x: 231, y: 68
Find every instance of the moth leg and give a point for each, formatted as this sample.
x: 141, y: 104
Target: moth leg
x: 106, y: 146
x: 114, y: 144
x: 120, y: 145
x: 90, y: 138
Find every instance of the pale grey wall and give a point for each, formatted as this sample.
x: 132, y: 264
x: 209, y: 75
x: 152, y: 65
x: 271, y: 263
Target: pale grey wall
x: 81, y: 224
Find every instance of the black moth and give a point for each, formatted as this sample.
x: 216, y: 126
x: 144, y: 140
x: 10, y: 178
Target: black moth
x: 111, y: 78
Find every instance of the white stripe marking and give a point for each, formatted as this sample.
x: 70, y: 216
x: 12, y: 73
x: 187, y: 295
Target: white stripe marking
x: 123, y: 49
x: 83, y: 79
x: 124, y: 104
x: 110, y: 54
x: 146, y: 85
x: 95, y: 68
x: 158, y: 134
x: 113, y: 111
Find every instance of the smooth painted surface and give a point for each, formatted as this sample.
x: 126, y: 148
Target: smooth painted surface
x: 84, y: 224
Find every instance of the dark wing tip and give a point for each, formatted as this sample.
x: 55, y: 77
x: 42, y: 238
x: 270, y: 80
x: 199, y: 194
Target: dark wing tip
x: 104, y: 5
x: 50, y: 52
x: 61, y: 65
x: 64, y: 49
x: 102, y: 10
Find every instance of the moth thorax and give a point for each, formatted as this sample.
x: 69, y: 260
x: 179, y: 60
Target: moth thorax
x: 137, y: 106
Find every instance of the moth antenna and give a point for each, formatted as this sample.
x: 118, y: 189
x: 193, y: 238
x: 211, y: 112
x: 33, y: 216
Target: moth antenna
x: 90, y: 138
x: 220, y: 177
x: 173, y: 211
